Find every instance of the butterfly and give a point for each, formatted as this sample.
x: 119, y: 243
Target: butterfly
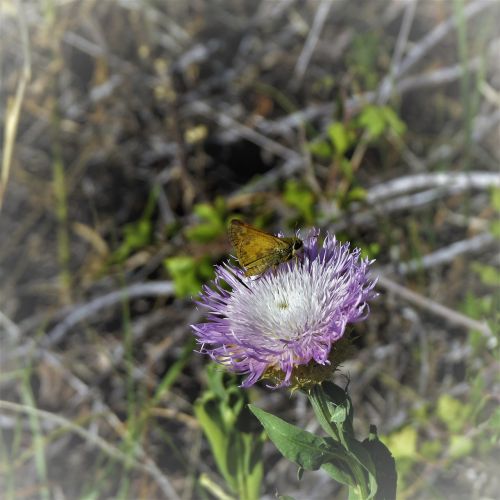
x: 258, y: 251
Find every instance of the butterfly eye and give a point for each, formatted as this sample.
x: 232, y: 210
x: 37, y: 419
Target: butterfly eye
x: 298, y: 244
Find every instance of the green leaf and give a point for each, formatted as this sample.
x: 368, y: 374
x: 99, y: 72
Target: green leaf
x: 339, y: 474
x: 452, y: 412
x: 495, y: 228
x: 356, y: 194
x: 212, y: 222
x: 207, y: 411
x: 342, y: 138
x: 385, y: 467
x: 236, y: 446
x: 489, y: 275
x: 183, y: 272
x: 403, y: 443
x: 321, y: 149
x: 252, y: 470
x: 372, y: 120
x: 299, y: 446
x: 393, y: 123
x: 136, y: 235
x: 340, y: 405
x: 495, y: 199
x: 460, y: 446
x: 301, y: 198
x: 431, y: 449
x: 377, y: 120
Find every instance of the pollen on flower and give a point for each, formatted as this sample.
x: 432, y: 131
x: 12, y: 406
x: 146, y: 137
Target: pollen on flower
x: 283, y: 304
x: 287, y: 324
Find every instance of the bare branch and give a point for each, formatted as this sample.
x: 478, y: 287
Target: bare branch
x: 427, y: 43
x: 312, y: 40
x: 450, y: 315
x: 447, y: 254
x: 447, y: 180
x: 84, y: 311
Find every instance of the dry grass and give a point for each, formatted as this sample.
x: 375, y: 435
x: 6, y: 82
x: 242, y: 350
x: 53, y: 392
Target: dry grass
x: 121, y: 117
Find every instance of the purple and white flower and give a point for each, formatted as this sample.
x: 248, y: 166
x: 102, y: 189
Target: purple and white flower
x: 290, y: 316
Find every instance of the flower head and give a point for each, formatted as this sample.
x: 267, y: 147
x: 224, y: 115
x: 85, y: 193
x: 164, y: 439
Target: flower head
x: 293, y: 316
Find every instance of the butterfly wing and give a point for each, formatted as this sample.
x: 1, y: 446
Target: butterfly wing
x: 256, y: 250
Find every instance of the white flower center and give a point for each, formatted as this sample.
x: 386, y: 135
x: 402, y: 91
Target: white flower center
x: 282, y: 305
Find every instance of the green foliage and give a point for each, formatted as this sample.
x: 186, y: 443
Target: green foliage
x: 188, y: 273
x: 356, y: 193
x: 431, y: 449
x: 403, y: 443
x: 366, y: 468
x: 486, y: 307
x: 371, y: 250
x: 362, y: 59
x: 342, y: 137
x: 213, y: 222
x: 379, y: 120
x: 453, y: 413
x: 137, y: 234
x: 460, y: 446
x: 495, y: 203
x: 494, y: 424
x: 303, y: 448
x: 321, y: 149
x: 495, y: 228
x: 302, y: 199
x: 227, y: 424
x: 495, y: 199
x: 489, y: 275
x: 373, y: 123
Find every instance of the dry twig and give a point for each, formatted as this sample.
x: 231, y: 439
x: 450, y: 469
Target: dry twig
x: 433, y: 307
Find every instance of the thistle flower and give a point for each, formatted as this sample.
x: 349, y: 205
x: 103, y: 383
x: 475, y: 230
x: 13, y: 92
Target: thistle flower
x: 287, y: 325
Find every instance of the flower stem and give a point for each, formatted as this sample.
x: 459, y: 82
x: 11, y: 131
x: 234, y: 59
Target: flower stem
x: 333, y: 409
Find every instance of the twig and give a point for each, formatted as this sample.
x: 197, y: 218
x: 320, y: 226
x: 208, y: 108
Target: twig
x: 437, y: 34
x: 84, y: 311
x: 83, y: 390
x: 404, y: 32
x: 356, y: 218
x: 376, y: 197
x: 448, y: 180
x: 354, y: 103
x: 10, y: 327
x: 450, y: 315
x: 312, y: 40
x: 447, y: 254
x: 114, y: 452
x: 437, y: 77
x: 261, y: 140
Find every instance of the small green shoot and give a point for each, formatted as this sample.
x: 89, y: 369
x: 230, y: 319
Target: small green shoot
x: 188, y: 273
x: 213, y: 222
x: 302, y: 199
x: 222, y: 412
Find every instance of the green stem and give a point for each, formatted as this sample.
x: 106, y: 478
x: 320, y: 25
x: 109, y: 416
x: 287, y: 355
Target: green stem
x: 334, y: 412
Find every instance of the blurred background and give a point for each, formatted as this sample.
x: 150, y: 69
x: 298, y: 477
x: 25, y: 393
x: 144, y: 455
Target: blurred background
x: 132, y: 131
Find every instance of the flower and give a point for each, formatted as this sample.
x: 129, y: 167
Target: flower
x: 290, y: 317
